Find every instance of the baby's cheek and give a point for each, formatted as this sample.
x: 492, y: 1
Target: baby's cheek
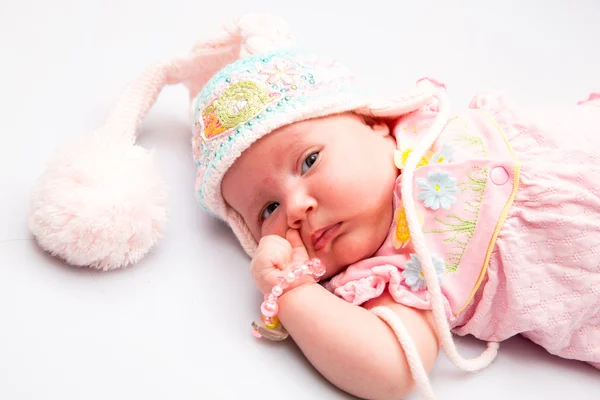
x: 276, y: 224
x: 345, y: 184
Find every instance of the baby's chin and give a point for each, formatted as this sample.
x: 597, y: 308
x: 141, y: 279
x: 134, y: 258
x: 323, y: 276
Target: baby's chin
x: 346, y: 251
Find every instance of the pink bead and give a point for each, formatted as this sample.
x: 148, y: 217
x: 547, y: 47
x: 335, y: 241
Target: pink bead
x: 304, y: 269
x: 269, y: 309
x: 281, y: 282
x: 298, y: 273
x: 277, y: 290
x: 270, y: 297
x: 318, y: 269
x: 256, y: 334
x: 290, y: 277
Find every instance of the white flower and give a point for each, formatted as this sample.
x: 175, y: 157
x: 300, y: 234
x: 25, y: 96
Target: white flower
x: 438, y: 190
x: 444, y: 155
x: 413, y: 272
x: 280, y: 72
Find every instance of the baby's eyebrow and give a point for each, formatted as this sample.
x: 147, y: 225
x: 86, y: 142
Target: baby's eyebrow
x: 255, y: 202
x: 298, y: 146
x: 287, y: 159
x: 257, y: 196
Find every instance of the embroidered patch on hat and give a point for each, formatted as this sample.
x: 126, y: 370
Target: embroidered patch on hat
x: 245, y: 95
x: 239, y: 103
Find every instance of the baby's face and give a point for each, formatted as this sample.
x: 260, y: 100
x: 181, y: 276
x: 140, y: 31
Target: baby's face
x: 330, y: 178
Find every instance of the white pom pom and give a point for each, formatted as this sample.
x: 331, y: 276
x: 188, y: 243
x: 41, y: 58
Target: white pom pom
x: 262, y: 33
x: 100, y: 203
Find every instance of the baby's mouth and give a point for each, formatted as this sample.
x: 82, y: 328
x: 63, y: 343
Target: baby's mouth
x: 323, y: 236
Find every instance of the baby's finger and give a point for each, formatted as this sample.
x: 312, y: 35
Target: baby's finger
x: 299, y: 253
x: 274, y: 252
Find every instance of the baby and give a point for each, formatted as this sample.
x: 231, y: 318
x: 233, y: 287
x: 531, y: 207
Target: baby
x: 418, y: 220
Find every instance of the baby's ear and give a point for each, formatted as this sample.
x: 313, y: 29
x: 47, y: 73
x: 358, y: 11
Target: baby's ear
x: 378, y: 126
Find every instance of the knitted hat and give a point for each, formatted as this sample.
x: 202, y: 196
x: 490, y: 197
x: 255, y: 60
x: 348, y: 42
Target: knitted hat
x: 101, y: 202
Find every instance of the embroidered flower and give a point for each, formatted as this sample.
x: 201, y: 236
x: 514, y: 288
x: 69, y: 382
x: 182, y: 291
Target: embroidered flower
x: 411, y: 129
x: 413, y: 273
x: 240, y: 102
x: 401, y: 235
x: 444, y: 155
x: 280, y: 72
x: 212, y: 126
x: 401, y: 156
x: 437, y: 190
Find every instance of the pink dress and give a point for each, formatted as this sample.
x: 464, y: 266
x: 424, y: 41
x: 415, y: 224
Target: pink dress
x: 515, y: 240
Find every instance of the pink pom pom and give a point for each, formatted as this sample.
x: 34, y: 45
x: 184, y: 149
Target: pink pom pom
x: 100, y: 203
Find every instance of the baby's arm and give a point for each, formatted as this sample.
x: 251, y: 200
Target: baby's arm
x: 353, y: 348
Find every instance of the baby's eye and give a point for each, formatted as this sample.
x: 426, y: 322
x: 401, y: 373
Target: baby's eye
x: 309, y: 161
x: 268, y: 210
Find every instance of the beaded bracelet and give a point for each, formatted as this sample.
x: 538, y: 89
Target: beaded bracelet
x: 269, y: 326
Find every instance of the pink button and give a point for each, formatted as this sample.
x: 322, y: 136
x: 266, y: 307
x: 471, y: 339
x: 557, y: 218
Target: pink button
x: 499, y: 176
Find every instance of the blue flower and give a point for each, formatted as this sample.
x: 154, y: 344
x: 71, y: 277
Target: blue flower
x: 444, y: 155
x: 438, y: 190
x: 413, y: 272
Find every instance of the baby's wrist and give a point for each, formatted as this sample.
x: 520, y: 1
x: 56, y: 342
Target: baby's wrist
x: 293, y: 279
x: 303, y: 281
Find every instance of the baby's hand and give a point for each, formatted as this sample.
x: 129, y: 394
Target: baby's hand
x: 274, y: 256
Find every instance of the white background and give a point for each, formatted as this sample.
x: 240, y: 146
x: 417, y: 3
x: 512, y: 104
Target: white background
x: 176, y: 326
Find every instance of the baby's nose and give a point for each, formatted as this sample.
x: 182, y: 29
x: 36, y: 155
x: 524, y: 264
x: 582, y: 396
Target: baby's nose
x: 298, y: 207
